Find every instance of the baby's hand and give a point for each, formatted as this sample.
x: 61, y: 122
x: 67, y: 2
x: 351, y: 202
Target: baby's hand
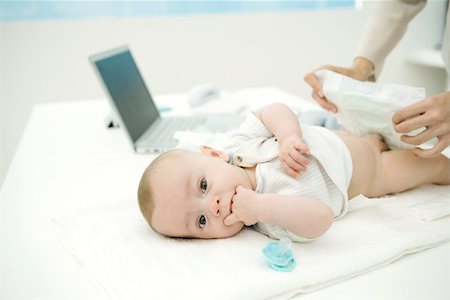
x: 291, y: 155
x: 243, y: 207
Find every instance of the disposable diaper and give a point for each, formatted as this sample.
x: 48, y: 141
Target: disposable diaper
x: 367, y: 107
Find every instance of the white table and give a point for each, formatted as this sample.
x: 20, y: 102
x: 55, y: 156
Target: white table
x: 67, y: 154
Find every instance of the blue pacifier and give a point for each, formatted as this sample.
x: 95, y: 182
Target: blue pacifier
x: 279, y: 255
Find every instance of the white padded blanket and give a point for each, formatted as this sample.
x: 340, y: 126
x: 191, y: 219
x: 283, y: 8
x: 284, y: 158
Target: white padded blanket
x: 127, y: 260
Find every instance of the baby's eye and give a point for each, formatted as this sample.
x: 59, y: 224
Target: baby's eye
x: 202, y: 221
x: 203, y: 185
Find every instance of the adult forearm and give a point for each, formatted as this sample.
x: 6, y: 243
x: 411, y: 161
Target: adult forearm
x: 362, y: 69
x: 386, y: 26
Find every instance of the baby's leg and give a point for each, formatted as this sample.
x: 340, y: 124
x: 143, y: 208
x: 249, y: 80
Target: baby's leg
x: 402, y: 170
x: 366, y: 158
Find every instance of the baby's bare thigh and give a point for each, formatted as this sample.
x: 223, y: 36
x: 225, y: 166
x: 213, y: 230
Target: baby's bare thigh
x: 366, y: 158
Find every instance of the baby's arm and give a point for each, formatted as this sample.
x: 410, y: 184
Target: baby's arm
x: 281, y: 121
x: 303, y: 216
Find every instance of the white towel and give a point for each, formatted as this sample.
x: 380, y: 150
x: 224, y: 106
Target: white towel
x: 127, y: 260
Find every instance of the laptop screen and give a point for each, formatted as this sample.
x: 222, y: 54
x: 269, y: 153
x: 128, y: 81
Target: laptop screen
x: 127, y: 90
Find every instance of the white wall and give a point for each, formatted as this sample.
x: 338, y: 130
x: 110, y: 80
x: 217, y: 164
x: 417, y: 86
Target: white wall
x: 46, y: 61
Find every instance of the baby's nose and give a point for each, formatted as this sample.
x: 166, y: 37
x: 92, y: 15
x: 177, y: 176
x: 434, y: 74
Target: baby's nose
x: 214, y: 206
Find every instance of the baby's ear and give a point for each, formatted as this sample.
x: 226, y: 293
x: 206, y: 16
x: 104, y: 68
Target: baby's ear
x: 214, y: 153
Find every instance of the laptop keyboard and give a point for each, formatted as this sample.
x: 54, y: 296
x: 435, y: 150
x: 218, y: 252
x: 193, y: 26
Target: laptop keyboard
x: 163, y: 131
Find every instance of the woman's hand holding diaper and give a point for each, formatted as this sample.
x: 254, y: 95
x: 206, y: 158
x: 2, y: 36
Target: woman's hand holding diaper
x: 362, y: 69
x: 317, y: 93
x: 291, y: 155
x: 433, y: 113
x: 243, y: 208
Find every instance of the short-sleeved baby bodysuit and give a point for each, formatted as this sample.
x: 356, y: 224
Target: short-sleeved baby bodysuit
x: 327, y: 178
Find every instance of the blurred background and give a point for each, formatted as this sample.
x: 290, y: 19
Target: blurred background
x: 44, y: 48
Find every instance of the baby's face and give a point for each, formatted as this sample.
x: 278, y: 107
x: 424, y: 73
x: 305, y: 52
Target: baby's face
x: 192, y: 196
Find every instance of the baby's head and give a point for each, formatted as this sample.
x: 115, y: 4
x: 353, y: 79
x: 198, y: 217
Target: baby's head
x: 184, y: 193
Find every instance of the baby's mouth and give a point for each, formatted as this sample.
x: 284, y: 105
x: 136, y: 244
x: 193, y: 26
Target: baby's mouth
x: 229, y: 205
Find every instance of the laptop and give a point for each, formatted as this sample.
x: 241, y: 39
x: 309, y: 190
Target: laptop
x: 136, y: 111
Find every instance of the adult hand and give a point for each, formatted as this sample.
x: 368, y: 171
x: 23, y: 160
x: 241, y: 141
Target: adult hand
x: 433, y: 113
x: 243, y: 207
x: 360, y: 70
x: 291, y: 155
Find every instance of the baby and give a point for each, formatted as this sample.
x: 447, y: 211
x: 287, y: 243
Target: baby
x: 283, y: 177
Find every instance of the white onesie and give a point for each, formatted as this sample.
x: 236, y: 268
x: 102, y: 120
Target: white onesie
x: 327, y: 178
